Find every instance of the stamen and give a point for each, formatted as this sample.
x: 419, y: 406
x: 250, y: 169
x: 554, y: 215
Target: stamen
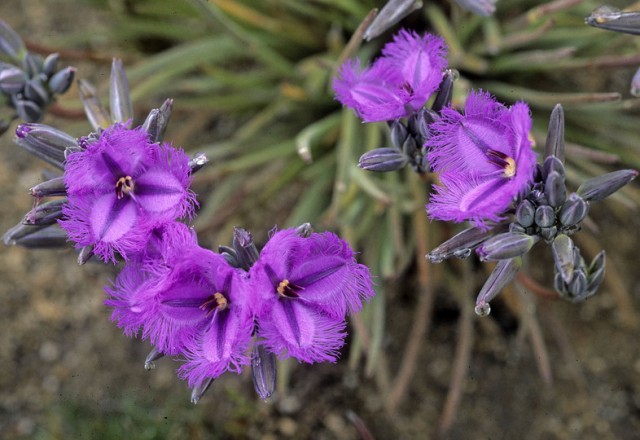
x: 287, y: 289
x: 510, y: 169
x: 217, y: 301
x: 124, y: 185
x: 506, y: 163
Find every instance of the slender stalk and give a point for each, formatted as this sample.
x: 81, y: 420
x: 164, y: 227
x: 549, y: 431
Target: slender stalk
x: 422, y: 317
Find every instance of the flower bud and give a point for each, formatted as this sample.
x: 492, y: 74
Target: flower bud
x: 603, y: 186
x: 562, y: 251
x: 149, y: 361
x: 544, y: 216
x: 549, y: 233
x: 45, y: 213
x: 96, y: 113
x: 263, y: 370
x: 445, y: 91
x: 458, y: 244
x: 198, y: 161
x: 40, y: 237
x: 157, y: 121
x: 483, y: 8
x: 525, y: 213
x: 35, y: 91
x: 119, y: 98
x: 612, y: 19
x: 33, y: 64
x: 578, y: 286
x: 50, y: 64
x: 27, y: 110
x: 53, y: 187
x: 12, y: 79
x: 506, y: 245
x: 10, y: 42
x: 573, y: 211
x: 399, y: 133
x: 62, y: 80
x: 554, y: 145
x: 246, y: 251
x: 199, y: 390
x: 391, y: 13
x: 383, y: 159
x: 502, y: 275
x: 555, y: 189
x: 85, y: 254
x: 44, y: 142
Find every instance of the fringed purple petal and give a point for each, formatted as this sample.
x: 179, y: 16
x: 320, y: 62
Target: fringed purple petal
x: 484, y: 157
x: 118, y: 148
x: 371, y: 92
x: 300, y: 331
x: 221, y: 347
x: 331, y: 277
x: 420, y: 60
x: 96, y: 222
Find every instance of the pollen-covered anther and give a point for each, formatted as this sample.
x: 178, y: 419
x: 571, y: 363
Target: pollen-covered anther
x: 510, y: 167
x: 124, y: 185
x: 217, y: 301
x: 287, y: 289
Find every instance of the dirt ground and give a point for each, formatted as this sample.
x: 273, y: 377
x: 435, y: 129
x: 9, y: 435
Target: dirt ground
x: 69, y: 372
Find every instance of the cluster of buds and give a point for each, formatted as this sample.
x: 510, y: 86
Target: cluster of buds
x: 544, y: 212
x: 28, y: 81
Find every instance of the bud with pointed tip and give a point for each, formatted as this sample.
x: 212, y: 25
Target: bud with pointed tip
x: 554, y: 145
x: 445, y: 92
x: 246, y: 251
x: 545, y: 216
x: 10, y: 42
x: 502, y: 275
x: 603, y: 186
x: 62, y: 80
x: 612, y: 19
x: 399, y: 133
x: 50, y: 64
x: 263, y: 370
x: 468, y: 239
x: 573, y: 211
x: 149, y: 361
x: 198, y: 161
x: 525, y: 213
x: 391, y: 13
x: 198, y: 390
x: 119, y: 98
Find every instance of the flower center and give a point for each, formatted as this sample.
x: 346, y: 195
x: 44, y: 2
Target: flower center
x: 124, y: 185
x: 217, y: 301
x: 287, y: 289
x: 503, y: 161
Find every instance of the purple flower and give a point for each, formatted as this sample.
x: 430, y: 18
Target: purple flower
x: 189, y: 302
x: 303, y: 288
x: 398, y: 83
x: 120, y: 188
x: 484, y: 157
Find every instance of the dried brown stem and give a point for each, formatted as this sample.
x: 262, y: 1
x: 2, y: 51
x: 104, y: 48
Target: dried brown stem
x: 69, y: 54
x: 534, y: 287
x: 422, y: 317
x: 540, y: 351
x: 462, y: 357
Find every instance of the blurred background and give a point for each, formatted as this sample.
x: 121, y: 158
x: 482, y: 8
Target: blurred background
x: 251, y: 84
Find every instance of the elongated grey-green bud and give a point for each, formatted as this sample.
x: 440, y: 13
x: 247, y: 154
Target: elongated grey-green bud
x: 554, y: 145
x: 459, y: 244
x: 383, y: 159
x: 562, y: 251
x: 603, y: 186
x: 573, y: 211
x: 391, y: 13
x: 525, y: 213
x: 119, y: 97
x: 613, y: 19
x: 505, y: 246
x: 502, y: 275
